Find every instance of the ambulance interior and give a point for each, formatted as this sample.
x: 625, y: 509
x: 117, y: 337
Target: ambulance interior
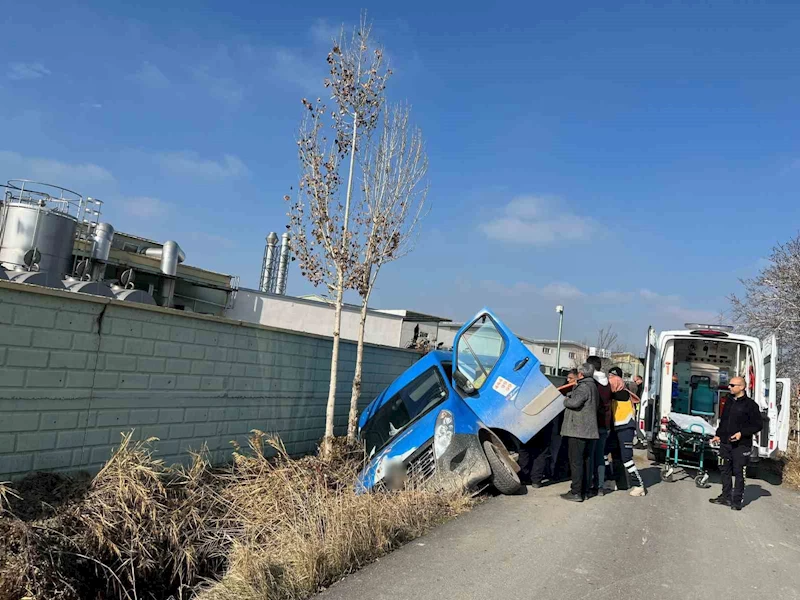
x: 704, y: 367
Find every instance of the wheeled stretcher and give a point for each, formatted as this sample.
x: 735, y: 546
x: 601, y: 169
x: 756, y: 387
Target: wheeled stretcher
x: 688, y: 440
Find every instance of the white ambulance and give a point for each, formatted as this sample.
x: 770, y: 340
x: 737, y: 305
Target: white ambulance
x: 687, y: 372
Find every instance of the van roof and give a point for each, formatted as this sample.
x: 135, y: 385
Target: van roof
x: 729, y: 336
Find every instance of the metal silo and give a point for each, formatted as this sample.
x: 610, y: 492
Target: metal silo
x: 38, y: 225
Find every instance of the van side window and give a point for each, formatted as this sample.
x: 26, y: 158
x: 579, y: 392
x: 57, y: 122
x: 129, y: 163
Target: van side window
x: 479, y: 349
x: 412, y: 401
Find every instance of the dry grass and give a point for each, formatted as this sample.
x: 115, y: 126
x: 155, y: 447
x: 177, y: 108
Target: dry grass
x: 791, y: 472
x: 266, y: 527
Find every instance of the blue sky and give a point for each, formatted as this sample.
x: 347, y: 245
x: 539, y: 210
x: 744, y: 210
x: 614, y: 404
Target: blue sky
x: 629, y: 161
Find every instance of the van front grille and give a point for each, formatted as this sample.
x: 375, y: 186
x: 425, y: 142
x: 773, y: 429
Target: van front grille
x: 422, y: 468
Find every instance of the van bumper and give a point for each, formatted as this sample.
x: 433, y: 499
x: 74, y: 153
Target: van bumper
x: 463, y: 464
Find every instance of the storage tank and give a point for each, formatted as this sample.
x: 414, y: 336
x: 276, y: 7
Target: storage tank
x: 132, y: 295
x: 95, y: 288
x: 32, y: 218
x: 41, y: 278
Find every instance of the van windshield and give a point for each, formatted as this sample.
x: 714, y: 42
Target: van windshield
x: 408, y: 404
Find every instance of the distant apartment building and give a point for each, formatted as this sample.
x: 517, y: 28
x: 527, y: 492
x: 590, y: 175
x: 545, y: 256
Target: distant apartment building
x: 573, y: 354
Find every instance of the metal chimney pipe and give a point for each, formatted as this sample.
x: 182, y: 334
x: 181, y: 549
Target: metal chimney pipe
x: 102, y: 237
x: 101, y: 241
x: 269, y: 264
x: 283, y: 265
x: 170, y: 255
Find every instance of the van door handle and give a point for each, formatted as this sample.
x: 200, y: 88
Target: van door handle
x: 522, y: 363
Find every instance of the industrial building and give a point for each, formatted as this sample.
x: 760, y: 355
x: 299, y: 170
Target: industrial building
x: 53, y: 237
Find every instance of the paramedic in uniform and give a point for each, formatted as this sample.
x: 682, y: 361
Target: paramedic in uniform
x: 740, y: 420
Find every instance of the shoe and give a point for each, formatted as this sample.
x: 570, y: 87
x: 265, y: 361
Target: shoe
x: 720, y: 500
x: 736, y: 507
x: 603, y: 492
x: 611, y: 486
x: 592, y: 493
x: 572, y: 497
x: 537, y: 485
x: 638, y: 491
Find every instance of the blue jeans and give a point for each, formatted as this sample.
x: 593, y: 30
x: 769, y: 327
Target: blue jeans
x: 599, y: 460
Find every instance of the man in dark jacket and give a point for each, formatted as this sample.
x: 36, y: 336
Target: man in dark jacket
x: 739, y: 422
x: 580, y: 427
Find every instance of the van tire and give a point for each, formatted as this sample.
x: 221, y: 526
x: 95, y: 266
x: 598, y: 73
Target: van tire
x: 504, y: 477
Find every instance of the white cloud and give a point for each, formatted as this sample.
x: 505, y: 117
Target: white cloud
x: 539, y: 221
x: 149, y: 75
x: 559, y: 289
x: 145, y: 207
x: 53, y: 171
x: 293, y: 68
x: 652, y: 296
x: 190, y: 164
x: 522, y: 289
x: 18, y: 71
x: 323, y: 32
x: 670, y: 305
x: 224, y: 89
x: 613, y: 296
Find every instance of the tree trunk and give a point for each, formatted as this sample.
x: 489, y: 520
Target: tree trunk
x: 352, y: 421
x: 330, y: 409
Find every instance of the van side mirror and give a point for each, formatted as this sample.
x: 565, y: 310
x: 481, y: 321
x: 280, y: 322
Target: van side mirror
x: 464, y: 384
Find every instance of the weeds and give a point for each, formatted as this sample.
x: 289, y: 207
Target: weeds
x: 791, y: 472
x: 265, y: 527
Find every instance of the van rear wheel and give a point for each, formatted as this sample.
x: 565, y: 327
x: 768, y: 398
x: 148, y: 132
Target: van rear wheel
x: 504, y: 478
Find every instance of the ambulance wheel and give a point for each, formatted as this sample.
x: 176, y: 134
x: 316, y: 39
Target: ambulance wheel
x: 666, y: 474
x: 504, y: 478
x: 701, y: 480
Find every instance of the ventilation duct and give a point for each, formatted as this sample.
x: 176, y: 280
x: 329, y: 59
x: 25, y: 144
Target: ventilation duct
x: 171, y: 255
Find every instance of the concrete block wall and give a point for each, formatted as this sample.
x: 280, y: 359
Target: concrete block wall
x: 77, y: 370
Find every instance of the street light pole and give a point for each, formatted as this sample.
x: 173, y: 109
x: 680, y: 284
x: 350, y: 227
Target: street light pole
x: 560, y: 311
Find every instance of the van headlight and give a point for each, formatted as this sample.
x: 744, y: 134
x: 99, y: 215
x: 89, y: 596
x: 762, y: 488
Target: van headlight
x: 443, y: 432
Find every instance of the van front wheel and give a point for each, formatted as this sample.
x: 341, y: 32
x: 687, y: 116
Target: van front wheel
x: 504, y: 478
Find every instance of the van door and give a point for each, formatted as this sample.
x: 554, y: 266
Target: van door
x: 650, y: 390
x: 783, y: 396
x: 769, y: 410
x: 500, y: 379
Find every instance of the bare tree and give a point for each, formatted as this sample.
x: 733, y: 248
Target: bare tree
x: 606, y: 338
x: 394, y: 195
x: 323, y: 241
x: 771, y: 305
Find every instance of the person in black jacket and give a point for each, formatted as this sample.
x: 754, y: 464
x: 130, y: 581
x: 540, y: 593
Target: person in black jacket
x: 739, y: 422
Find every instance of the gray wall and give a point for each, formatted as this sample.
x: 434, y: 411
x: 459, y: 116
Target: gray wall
x: 77, y: 370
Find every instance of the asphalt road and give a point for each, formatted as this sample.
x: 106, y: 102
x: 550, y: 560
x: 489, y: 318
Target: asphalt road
x: 670, y: 544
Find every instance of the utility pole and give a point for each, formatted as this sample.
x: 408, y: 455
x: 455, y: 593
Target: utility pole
x: 560, y: 311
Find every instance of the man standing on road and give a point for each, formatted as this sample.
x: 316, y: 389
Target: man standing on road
x: 739, y: 422
x: 580, y: 427
x: 599, y: 461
